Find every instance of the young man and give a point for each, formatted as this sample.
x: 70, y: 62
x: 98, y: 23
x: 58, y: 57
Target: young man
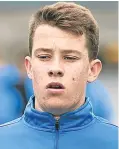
x: 63, y: 46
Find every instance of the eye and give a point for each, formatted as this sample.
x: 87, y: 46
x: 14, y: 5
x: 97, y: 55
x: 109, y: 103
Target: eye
x: 72, y: 58
x: 44, y: 57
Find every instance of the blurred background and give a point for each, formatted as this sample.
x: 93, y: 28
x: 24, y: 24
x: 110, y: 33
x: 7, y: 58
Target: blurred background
x: 14, y: 18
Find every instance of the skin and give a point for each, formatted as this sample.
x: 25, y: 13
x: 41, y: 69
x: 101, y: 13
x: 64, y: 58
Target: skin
x: 57, y: 64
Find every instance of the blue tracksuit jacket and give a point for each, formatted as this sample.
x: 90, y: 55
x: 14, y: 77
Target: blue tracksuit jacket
x: 79, y: 129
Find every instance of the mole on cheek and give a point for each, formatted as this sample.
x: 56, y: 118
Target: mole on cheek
x: 73, y: 79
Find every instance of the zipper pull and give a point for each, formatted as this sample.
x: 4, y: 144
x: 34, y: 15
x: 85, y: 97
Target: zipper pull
x: 57, y: 124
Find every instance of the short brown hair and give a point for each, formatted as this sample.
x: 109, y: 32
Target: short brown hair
x: 69, y: 17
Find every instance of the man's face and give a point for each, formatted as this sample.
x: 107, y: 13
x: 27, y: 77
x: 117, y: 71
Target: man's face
x: 58, y: 57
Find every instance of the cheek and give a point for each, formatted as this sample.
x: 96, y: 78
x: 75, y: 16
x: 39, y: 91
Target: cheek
x: 79, y: 74
x: 39, y: 70
x: 37, y: 78
x: 38, y: 74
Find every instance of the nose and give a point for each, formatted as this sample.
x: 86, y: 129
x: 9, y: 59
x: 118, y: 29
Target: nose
x: 56, y: 73
x: 56, y: 70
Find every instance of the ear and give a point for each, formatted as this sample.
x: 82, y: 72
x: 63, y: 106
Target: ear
x: 94, y: 70
x: 28, y: 66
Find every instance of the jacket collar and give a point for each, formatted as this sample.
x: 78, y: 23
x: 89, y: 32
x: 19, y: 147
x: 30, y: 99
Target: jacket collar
x: 76, y: 119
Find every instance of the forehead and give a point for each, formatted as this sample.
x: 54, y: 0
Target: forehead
x: 54, y: 38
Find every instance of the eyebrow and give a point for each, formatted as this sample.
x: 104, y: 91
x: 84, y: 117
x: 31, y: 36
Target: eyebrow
x: 65, y: 51
x: 43, y: 50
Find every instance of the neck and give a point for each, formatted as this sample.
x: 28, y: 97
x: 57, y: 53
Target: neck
x: 57, y: 116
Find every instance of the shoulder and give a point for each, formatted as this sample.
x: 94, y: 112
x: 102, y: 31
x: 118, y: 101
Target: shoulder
x: 104, y: 126
x: 11, y: 127
x: 12, y: 133
x: 11, y: 123
x: 105, y: 132
x: 105, y: 122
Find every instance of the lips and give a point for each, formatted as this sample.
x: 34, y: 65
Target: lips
x: 55, y: 85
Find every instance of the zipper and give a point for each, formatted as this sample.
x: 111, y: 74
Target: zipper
x: 57, y: 124
x: 57, y: 133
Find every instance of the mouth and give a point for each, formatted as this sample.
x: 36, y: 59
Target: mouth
x: 55, y: 88
x: 55, y: 85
